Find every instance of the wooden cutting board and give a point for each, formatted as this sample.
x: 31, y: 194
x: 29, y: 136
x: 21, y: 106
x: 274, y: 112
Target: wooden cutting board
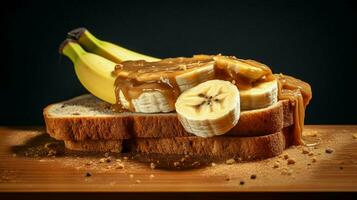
x: 24, y: 167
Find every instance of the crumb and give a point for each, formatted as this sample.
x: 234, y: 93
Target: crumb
x: 213, y: 164
x: 313, y: 159
x: 233, y: 82
x: 88, y: 174
x: 276, y: 165
x: 138, y: 181
x: 329, y: 150
x: 305, y: 150
x: 117, y: 160
x: 230, y: 161
x: 286, y: 156
x: 108, y: 167
x: 291, y: 161
x: 176, y: 164
x: 125, y: 158
x: 152, y: 165
x: 253, y: 176
x: 290, y: 172
x: 102, y: 160
x: 89, y: 163
x: 119, y: 166
x: 151, y: 176
x: 108, y: 159
x: 131, y: 175
x: 354, y: 136
x: 241, y: 182
x: 311, y: 154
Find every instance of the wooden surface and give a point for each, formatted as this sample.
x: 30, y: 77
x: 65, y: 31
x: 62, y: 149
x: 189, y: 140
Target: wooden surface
x: 21, y: 169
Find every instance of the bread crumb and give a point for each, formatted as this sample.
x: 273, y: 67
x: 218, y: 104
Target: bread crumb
x: 102, y: 160
x: 286, y: 156
x: 354, y: 136
x: 152, y: 165
x: 329, y: 150
x: 213, y: 164
x: 108, y: 159
x: 253, y: 176
x: 276, y: 164
x: 176, y: 164
x: 313, y: 159
x: 138, y: 181
x: 151, y: 176
x: 305, y: 150
x: 311, y: 154
x: 89, y: 163
x: 131, y: 175
x: 88, y: 174
x: 125, y: 158
x: 119, y: 166
x: 118, y: 160
x: 230, y: 161
x: 291, y: 161
x: 106, y: 154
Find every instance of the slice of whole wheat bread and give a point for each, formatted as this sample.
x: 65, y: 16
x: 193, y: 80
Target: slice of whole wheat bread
x: 245, y: 148
x: 88, y: 118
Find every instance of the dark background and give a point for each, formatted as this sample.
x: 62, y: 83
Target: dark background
x: 313, y: 40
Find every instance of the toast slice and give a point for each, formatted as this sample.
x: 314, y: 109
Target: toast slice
x: 88, y: 118
x: 222, y: 147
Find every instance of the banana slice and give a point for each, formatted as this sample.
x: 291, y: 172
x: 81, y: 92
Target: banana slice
x: 260, y: 96
x: 210, y: 108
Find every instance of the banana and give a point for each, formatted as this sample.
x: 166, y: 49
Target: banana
x: 210, y: 108
x: 260, y: 96
x: 108, y: 50
x: 93, y: 71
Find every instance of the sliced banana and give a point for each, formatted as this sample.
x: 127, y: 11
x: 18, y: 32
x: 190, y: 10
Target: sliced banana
x: 155, y: 101
x: 249, y: 69
x: 210, y: 108
x: 260, y: 96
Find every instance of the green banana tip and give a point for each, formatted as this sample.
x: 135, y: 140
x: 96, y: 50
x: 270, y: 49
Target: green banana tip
x: 64, y: 43
x: 76, y: 33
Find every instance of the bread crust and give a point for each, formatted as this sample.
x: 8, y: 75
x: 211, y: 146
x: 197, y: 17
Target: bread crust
x: 128, y: 125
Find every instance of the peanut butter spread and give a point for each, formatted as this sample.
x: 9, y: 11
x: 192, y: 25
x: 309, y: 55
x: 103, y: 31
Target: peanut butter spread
x: 136, y: 77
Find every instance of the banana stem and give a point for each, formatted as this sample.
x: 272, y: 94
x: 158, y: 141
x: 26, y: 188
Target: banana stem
x: 72, y: 49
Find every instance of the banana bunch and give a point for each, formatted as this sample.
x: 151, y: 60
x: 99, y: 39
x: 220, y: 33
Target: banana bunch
x: 205, y: 107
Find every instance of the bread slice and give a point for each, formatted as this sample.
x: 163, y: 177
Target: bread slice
x: 245, y: 148
x: 88, y: 118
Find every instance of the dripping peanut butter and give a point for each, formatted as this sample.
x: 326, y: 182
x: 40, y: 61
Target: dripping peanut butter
x: 137, y: 77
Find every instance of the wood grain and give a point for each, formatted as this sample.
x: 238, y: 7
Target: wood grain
x: 22, y: 170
